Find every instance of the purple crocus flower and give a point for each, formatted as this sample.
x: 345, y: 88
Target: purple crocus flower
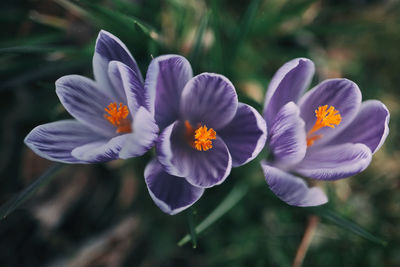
x: 325, y: 134
x: 205, y: 132
x: 113, y: 117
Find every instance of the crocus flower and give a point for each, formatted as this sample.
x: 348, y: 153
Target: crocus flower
x: 325, y: 134
x: 112, y: 114
x: 205, y: 132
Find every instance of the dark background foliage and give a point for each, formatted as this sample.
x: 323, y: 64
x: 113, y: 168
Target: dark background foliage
x: 102, y: 215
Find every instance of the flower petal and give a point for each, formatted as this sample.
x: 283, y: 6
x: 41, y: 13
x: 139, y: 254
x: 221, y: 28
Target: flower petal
x: 100, y: 151
x: 166, y: 77
x: 245, y: 135
x: 170, y: 193
x: 56, y: 140
x: 291, y: 189
x: 124, y: 77
x: 200, y: 168
x: 145, y: 133
x: 288, y: 84
x: 209, y: 99
x: 287, y: 136
x: 370, y: 127
x: 335, y: 162
x: 342, y: 94
x: 82, y: 99
x: 109, y: 48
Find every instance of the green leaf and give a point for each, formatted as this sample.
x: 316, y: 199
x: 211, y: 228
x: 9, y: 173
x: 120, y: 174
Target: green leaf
x: 38, y: 73
x: 28, y: 192
x: 346, y: 224
x: 245, y: 26
x: 190, y: 216
x: 34, y: 49
x: 73, y: 8
x: 237, y: 193
x: 197, y: 46
x: 119, y: 22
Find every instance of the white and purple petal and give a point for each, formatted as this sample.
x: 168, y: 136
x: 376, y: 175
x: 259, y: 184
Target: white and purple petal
x: 143, y: 137
x: 287, y: 138
x: 109, y: 48
x: 245, y: 135
x: 171, y: 194
x: 344, y: 95
x: 335, y: 162
x: 288, y: 84
x: 370, y: 126
x: 124, y: 77
x: 81, y: 97
x: 166, y: 77
x: 56, y: 140
x: 209, y: 99
x: 100, y: 151
x: 291, y: 189
x: 200, y: 168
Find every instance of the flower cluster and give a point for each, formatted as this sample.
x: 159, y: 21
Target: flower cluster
x: 200, y: 130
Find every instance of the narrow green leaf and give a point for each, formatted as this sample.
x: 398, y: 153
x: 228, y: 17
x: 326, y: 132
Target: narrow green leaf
x: 73, y: 8
x: 32, y: 40
x: 190, y: 216
x: 237, y: 193
x: 106, y: 17
x: 346, y: 224
x: 219, y: 53
x: 197, y: 46
x: 34, y: 49
x: 36, y: 74
x: 28, y: 192
x: 244, y: 26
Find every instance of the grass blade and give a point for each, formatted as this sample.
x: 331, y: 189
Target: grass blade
x: 190, y: 216
x: 237, y: 193
x: 25, y: 194
x: 346, y: 224
x: 34, y: 49
x: 244, y: 26
x: 196, y: 49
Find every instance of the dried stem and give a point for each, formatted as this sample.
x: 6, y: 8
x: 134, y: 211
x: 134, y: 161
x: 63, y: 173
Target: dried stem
x: 306, y: 241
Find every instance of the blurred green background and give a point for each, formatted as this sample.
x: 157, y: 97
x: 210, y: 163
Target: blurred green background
x: 102, y: 215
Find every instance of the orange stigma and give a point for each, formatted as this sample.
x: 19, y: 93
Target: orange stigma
x: 117, y: 116
x: 202, y: 136
x: 326, y: 117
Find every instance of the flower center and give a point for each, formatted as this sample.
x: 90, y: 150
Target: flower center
x: 200, y: 138
x: 326, y: 117
x: 117, y: 116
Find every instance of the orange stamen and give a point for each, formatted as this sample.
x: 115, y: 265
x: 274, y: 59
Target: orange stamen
x: 326, y: 117
x: 200, y: 138
x: 117, y: 116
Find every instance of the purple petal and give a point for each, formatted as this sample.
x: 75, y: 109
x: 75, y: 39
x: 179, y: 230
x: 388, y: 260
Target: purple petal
x: 145, y: 133
x: 109, y: 48
x: 288, y: 84
x: 166, y: 77
x: 56, y: 140
x: 287, y: 136
x: 335, y: 162
x: 100, y: 151
x: 342, y: 94
x: 82, y: 99
x: 200, y: 168
x: 124, y: 77
x: 370, y: 127
x: 209, y: 99
x: 291, y: 189
x: 245, y: 135
x: 170, y: 193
